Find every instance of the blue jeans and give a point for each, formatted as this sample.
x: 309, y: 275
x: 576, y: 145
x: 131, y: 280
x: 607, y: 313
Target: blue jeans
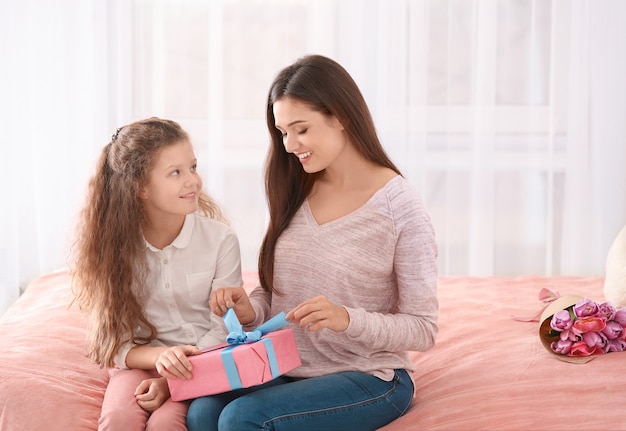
x: 341, y: 401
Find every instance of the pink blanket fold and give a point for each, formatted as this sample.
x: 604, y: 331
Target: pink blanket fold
x: 46, y: 380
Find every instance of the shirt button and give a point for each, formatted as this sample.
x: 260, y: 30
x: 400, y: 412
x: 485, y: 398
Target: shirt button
x: 167, y: 285
x: 164, y: 261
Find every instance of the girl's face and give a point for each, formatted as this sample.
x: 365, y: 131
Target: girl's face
x: 317, y: 141
x: 173, y: 184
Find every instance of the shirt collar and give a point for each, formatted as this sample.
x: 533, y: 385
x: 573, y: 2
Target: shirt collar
x: 183, y: 238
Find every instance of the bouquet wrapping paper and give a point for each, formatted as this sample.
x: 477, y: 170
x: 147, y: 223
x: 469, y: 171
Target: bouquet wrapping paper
x: 578, y: 329
x: 545, y: 331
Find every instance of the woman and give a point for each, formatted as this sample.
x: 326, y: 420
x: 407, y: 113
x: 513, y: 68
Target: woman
x: 349, y: 254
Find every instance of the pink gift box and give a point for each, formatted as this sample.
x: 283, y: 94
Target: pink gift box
x: 224, y: 368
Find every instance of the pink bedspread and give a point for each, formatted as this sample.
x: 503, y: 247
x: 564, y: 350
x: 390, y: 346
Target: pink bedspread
x: 490, y: 372
x: 487, y: 371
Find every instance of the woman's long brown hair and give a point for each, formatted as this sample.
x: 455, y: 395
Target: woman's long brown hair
x: 108, y: 261
x: 326, y: 87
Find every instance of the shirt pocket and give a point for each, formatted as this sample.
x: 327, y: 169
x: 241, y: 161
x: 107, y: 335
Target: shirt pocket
x: 199, y: 285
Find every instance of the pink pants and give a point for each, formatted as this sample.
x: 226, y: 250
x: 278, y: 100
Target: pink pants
x: 120, y: 410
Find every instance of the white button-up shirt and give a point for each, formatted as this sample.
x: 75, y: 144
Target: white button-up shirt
x: 205, y: 255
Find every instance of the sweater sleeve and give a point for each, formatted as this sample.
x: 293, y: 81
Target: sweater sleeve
x: 413, y: 324
x: 261, y: 302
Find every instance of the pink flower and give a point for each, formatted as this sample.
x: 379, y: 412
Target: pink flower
x: 596, y: 339
x: 588, y: 328
x: 587, y: 324
x: 582, y: 349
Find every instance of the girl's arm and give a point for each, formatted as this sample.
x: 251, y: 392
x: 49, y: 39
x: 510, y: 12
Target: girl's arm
x: 170, y: 362
x: 152, y: 393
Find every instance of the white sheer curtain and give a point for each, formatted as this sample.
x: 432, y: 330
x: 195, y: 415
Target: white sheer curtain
x: 54, y: 105
x: 508, y: 115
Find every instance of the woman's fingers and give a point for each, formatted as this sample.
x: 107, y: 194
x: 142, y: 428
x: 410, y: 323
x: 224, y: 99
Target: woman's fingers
x: 318, y: 313
x: 226, y: 297
x: 232, y: 297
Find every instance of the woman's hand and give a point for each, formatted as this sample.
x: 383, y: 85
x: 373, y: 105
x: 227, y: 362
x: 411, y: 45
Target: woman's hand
x: 173, y: 362
x: 152, y: 393
x: 232, y: 297
x: 317, y: 313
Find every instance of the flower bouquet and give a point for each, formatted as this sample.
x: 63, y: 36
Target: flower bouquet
x: 577, y: 329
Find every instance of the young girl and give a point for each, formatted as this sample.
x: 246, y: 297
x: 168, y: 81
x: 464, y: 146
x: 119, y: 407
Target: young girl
x: 349, y: 254
x: 150, y: 248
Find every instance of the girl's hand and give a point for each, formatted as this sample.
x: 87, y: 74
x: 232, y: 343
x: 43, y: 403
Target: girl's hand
x: 317, y: 313
x: 152, y: 393
x: 232, y: 297
x: 173, y: 362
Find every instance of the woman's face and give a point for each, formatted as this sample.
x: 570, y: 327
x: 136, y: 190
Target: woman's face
x: 316, y: 140
x: 174, y: 185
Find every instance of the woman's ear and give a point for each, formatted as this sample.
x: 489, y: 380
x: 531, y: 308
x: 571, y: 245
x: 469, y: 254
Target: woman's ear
x: 334, y: 122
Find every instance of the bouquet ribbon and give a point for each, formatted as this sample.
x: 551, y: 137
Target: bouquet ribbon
x: 237, y: 336
x: 547, y: 296
x: 553, y: 301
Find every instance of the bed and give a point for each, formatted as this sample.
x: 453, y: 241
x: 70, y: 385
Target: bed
x: 487, y: 371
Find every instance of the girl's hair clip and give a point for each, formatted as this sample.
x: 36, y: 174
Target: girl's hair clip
x: 114, y: 136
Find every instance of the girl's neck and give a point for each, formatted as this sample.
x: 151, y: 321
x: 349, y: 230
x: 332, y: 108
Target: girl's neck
x: 163, y: 232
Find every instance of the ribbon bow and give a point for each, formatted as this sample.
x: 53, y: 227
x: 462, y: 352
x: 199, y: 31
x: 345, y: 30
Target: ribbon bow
x: 238, y: 336
x: 546, y: 296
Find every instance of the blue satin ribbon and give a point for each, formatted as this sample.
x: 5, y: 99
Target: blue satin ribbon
x: 238, y: 336
x: 231, y: 368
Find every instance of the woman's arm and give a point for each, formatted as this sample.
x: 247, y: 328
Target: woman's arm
x: 412, y: 325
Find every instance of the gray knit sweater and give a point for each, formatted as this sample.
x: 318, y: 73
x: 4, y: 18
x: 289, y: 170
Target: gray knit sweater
x: 379, y: 262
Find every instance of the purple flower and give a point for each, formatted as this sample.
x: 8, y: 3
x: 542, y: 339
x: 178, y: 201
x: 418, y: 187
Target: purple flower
x: 617, y: 345
x: 612, y: 330
x: 562, y: 347
x: 571, y: 335
x: 585, y: 308
x: 588, y: 328
x: 607, y: 310
x: 561, y: 320
x: 620, y: 317
x: 596, y: 339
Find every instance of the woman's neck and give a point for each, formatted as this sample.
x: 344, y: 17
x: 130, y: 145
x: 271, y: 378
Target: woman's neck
x: 351, y: 172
